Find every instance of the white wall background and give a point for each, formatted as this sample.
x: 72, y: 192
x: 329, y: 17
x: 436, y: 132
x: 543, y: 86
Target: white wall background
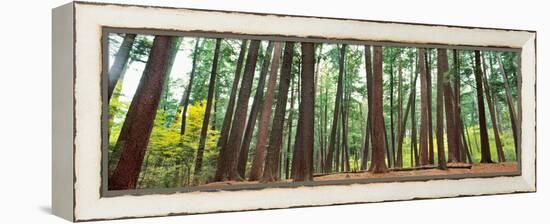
x: 25, y: 112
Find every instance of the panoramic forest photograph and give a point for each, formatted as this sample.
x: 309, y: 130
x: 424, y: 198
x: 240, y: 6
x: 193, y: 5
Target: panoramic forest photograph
x: 196, y: 111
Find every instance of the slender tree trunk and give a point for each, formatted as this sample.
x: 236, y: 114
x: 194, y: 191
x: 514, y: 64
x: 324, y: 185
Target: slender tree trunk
x: 304, y: 154
x: 444, y: 85
x: 368, y: 131
x: 298, y: 91
x: 332, y: 141
x: 378, y: 164
x: 253, y: 115
x: 236, y: 135
x: 319, y: 115
x: 488, y: 96
x: 399, y: 158
x: 187, y: 94
x: 424, y: 107
x: 215, y: 112
x: 453, y: 140
x: 206, y: 119
x: 121, y: 59
x: 271, y: 169
x: 510, y: 101
x: 226, y: 126
x: 430, y: 125
x: 442, y: 68
x: 138, y: 124
x: 338, y: 147
x: 485, y: 150
x: 345, y: 129
x: 261, y: 143
x: 391, y: 146
x: 414, y: 143
x: 289, y: 122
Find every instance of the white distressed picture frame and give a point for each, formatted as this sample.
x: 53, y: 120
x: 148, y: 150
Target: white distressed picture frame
x: 77, y: 110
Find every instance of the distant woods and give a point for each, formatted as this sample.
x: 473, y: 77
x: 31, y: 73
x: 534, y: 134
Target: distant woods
x: 188, y: 111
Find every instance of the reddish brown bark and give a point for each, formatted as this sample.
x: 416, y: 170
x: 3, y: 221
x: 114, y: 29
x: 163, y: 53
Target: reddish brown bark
x: 271, y: 169
x: 430, y: 122
x: 424, y: 129
x: 368, y: 131
x: 304, y: 152
x: 228, y: 117
x: 442, y: 83
x: 414, y: 132
x: 235, y: 137
x: 138, y: 124
x: 378, y: 164
x: 253, y: 115
x: 261, y: 142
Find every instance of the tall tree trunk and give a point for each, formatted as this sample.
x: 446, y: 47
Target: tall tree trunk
x: 304, y: 154
x: 187, y: 94
x: 368, y: 131
x: 289, y: 124
x: 442, y: 83
x: 453, y: 140
x: 424, y: 107
x: 119, y: 64
x: 332, y: 141
x: 345, y: 128
x: 391, y: 146
x: 206, y: 119
x: 414, y: 143
x: 253, y: 115
x: 215, y: 112
x: 226, y: 126
x: 442, y: 68
x: 399, y: 158
x: 489, y: 97
x: 293, y: 168
x: 430, y: 126
x: 485, y: 150
x: 138, y: 124
x: 236, y: 135
x: 271, y: 169
x: 510, y: 101
x: 261, y: 142
x: 378, y: 164
x: 319, y: 115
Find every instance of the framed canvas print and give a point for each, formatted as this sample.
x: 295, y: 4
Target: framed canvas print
x: 166, y: 111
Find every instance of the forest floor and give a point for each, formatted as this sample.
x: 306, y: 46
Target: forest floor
x: 454, y: 168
